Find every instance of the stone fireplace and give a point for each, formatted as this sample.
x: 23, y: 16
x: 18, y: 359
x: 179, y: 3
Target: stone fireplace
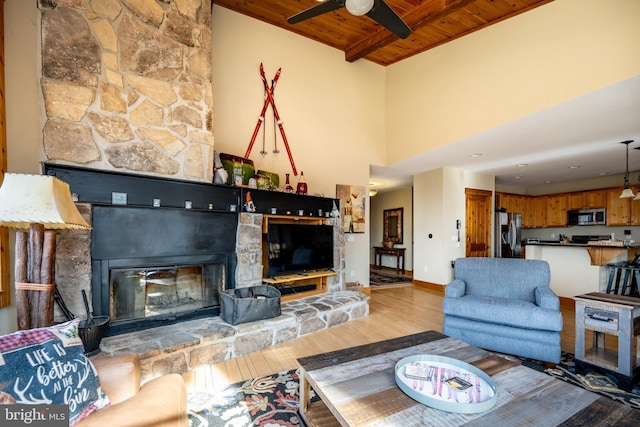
x: 154, y: 266
x: 127, y: 90
x: 126, y: 85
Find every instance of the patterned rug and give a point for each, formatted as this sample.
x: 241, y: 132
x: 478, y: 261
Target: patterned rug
x: 273, y: 400
x: 604, y: 385
x: 380, y: 279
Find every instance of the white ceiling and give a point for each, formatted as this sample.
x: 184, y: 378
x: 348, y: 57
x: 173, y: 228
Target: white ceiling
x: 584, y: 132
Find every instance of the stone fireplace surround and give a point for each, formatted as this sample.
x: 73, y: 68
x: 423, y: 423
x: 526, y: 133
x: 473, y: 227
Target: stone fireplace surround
x: 185, y: 345
x: 127, y: 85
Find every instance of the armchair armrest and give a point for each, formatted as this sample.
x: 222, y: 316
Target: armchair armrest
x: 455, y: 289
x: 119, y: 376
x: 546, y: 298
x: 161, y: 402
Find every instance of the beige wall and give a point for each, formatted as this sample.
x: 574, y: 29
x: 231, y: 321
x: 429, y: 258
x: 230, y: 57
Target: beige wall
x: 438, y: 201
x: 24, y: 118
x: 333, y: 111
x: 24, y: 108
x: 536, y: 60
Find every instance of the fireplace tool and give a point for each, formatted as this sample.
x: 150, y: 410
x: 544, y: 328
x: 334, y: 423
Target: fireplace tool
x: 92, y: 329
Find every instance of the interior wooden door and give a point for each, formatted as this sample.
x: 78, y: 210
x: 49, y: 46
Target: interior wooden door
x: 478, y: 223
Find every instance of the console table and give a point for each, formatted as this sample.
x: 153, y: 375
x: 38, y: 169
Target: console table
x: 395, y: 252
x: 613, y: 315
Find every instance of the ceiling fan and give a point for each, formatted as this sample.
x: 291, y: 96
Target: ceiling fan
x: 377, y: 10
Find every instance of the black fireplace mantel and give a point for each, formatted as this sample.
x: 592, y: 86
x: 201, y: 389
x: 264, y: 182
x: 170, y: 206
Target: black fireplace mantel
x: 97, y: 187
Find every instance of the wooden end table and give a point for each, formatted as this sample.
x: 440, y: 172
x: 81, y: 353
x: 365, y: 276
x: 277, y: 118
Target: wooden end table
x: 395, y: 252
x: 607, y: 314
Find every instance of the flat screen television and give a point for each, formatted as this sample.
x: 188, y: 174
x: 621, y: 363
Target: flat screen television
x: 296, y: 248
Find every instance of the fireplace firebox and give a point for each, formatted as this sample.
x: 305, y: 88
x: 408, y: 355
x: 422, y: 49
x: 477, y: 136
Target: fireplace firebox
x: 157, y: 266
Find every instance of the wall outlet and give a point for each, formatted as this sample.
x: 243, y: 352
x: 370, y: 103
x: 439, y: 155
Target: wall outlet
x: 352, y: 274
x: 426, y: 269
x: 553, y: 235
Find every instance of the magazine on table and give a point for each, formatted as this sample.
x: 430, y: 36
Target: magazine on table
x: 446, y: 382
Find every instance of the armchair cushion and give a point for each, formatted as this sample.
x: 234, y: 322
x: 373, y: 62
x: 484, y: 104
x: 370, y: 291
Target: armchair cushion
x: 48, y: 366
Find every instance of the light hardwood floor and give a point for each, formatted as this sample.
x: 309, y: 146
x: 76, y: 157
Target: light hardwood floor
x: 392, y: 313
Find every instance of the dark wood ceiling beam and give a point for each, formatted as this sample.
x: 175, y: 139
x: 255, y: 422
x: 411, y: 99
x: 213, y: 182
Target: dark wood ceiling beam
x: 421, y: 15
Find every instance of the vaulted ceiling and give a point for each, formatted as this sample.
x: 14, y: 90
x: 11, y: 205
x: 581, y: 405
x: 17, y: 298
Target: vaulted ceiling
x: 433, y: 22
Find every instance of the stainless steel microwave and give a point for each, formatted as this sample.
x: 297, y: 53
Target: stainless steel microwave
x: 587, y: 217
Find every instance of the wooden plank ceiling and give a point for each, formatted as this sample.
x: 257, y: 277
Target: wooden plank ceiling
x: 433, y: 23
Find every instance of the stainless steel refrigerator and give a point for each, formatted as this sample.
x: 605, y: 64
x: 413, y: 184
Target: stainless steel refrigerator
x: 508, y: 227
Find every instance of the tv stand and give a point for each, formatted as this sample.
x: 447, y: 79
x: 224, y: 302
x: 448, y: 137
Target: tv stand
x: 300, y: 283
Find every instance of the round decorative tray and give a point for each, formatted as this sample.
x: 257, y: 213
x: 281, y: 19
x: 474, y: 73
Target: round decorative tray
x: 446, y: 384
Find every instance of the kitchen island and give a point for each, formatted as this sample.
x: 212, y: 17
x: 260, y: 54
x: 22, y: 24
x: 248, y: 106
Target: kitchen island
x: 578, y: 268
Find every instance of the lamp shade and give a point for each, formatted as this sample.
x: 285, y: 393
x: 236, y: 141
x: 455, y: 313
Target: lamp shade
x: 627, y: 193
x: 27, y: 199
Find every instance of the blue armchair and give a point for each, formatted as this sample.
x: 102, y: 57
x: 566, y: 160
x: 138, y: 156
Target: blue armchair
x: 504, y: 305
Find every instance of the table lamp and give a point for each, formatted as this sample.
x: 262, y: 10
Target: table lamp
x: 36, y: 203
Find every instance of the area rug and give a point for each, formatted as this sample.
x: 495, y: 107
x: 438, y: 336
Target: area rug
x: 597, y: 382
x: 383, y: 279
x: 273, y: 400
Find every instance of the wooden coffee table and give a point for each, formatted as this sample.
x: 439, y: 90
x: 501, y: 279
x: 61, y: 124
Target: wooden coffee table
x: 357, y: 388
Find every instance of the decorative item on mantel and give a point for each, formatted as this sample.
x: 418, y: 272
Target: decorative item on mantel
x: 248, y: 205
x: 239, y: 169
x: 36, y: 202
x: 287, y: 185
x: 302, y: 185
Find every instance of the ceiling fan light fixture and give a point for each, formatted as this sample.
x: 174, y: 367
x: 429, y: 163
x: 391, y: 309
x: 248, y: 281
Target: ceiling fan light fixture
x: 359, y: 7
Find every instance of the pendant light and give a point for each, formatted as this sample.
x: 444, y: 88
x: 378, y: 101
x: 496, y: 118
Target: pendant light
x: 626, y: 192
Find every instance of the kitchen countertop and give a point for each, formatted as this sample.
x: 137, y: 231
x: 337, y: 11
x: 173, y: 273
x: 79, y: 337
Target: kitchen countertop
x: 581, y: 245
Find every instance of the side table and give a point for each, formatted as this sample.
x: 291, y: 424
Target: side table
x: 396, y: 252
x: 607, y: 314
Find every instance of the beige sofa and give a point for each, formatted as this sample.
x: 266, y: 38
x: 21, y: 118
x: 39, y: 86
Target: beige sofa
x: 161, y: 402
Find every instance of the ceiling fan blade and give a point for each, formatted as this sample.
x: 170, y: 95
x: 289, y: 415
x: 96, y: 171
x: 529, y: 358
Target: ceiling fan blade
x: 385, y: 16
x: 312, y: 12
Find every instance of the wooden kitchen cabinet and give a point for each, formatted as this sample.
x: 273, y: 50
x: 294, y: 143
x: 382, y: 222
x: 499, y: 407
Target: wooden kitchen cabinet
x: 528, y: 214
x: 587, y: 199
x: 511, y: 202
x: 635, y: 208
x: 618, y: 210
x: 539, y: 212
x: 556, y: 210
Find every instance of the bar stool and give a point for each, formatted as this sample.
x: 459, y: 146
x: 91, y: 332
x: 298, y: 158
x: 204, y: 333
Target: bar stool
x: 623, y: 278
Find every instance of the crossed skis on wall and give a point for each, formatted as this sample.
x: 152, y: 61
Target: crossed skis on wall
x: 269, y: 90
